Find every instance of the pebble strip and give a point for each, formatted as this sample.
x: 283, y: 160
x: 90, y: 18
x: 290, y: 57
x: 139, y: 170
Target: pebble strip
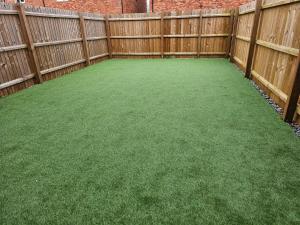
x: 279, y: 110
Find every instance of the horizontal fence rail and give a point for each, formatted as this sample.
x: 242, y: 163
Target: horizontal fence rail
x: 262, y: 38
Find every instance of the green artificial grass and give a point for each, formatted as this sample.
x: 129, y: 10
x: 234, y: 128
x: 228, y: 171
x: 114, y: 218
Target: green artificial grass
x: 138, y: 142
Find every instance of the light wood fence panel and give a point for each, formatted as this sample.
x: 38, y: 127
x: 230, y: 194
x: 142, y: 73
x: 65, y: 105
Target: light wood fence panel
x: 216, y: 28
x: 183, y: 35
x: 243, y: 34
x: 276, y: 49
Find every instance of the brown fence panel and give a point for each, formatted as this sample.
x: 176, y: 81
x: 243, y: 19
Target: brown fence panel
x: 135, y: 35
x: 140, y: 34
x: 15, y: 71
x: 216, y: 27
x: 57, y: 38
x: 57, y: 42
x: 181, y: 33
x: 96, y: 36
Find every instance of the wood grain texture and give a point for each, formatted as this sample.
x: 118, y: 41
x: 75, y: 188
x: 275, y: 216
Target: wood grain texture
x: 275, y: 52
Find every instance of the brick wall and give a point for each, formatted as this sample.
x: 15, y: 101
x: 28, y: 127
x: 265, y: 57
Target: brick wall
x: 178, y: 5
x: 133, y: 6
x: 102, y: 6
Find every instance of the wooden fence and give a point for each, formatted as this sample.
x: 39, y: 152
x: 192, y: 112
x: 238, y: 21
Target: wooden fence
x: 38, y: 44
x: 267, y: 42
x: 262, y: 38
x: 195, y: 33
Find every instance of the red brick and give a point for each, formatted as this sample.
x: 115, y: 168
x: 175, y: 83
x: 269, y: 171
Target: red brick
x: 178, y: 5
x: 99, y: 6
x: 133, y: 6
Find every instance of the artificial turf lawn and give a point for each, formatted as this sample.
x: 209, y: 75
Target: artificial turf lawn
x: 137, y: 142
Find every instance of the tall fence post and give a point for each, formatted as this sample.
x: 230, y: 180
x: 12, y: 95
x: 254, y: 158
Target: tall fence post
x: 230, y: 33
x: 233, y: 39
x: 162, y: 35
x: 33, y: 59
x: 293, y: 96
x: 199, y: 34
x: 107, y: 30
x: 254, y: 31
x: 84, y: 40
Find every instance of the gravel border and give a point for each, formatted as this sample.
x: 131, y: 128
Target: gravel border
x: 278, y: 109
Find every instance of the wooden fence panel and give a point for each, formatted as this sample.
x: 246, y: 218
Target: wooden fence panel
x: 135, y: 34
x: 96, y: 36
x: 140, y: 34
x: 277, y: 48
x: 14, y: 65
x: 215, y: 31
x: 243, y: 34
x: 181, y: 34
x: 57, y: 38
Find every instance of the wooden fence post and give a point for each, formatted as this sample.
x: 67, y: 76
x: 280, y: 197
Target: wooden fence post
x: 233, y: 39
x: 230, y: 33
x: 33, y: 59
x: 162, y: 35
x: 107, y: 30
x: 84, y: 40
x: 254, y: 31
x: 293, y: 96
x: 199, y: 35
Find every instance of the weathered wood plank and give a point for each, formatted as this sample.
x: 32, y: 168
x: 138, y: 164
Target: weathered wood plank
x: 12, y: 48
x: 16, y: 81
x: 41, y: 44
